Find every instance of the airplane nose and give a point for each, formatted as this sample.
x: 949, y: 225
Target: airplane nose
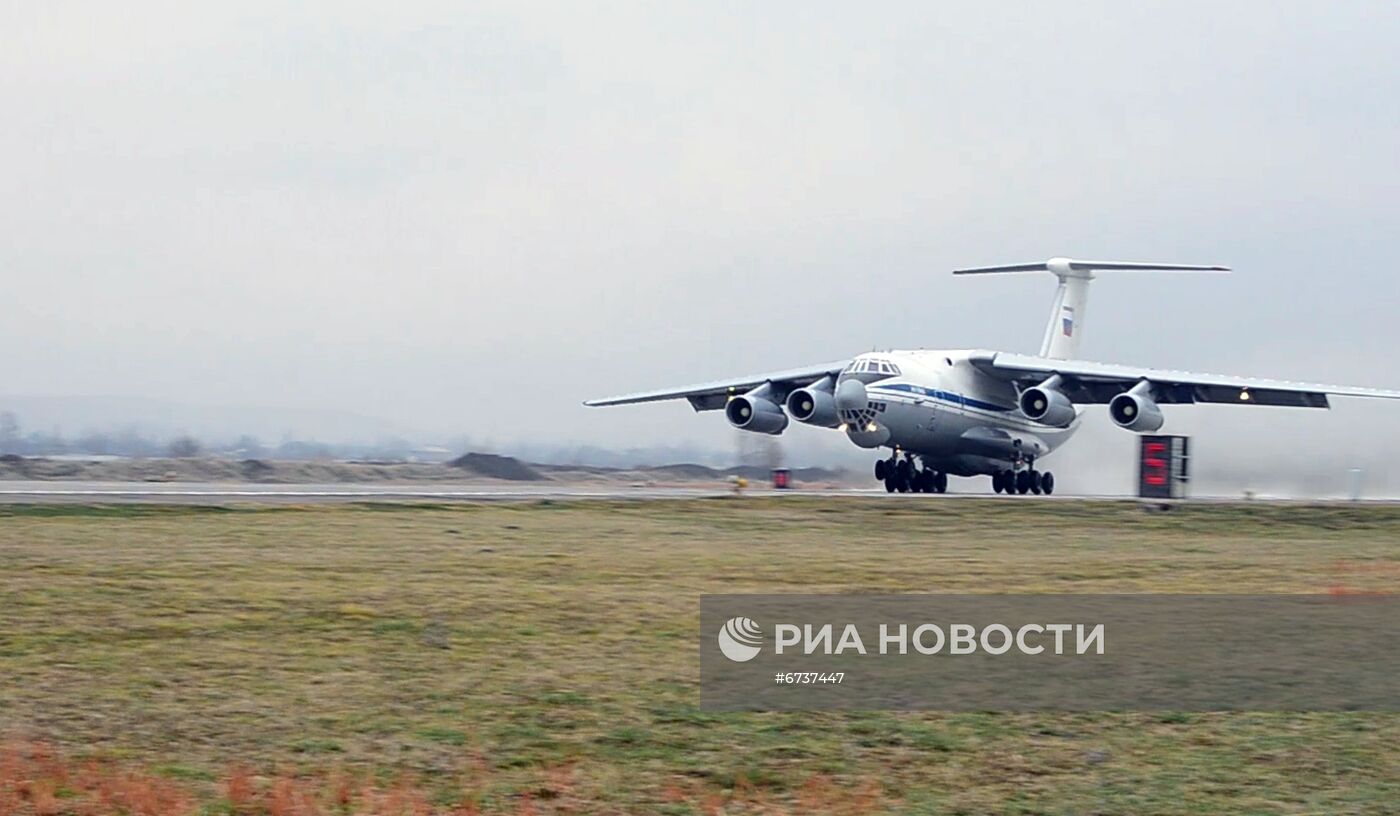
x: 850, y: 395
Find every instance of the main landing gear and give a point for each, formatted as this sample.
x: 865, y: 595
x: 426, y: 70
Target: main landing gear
x: 906, y: 477
x: 1024, y: 481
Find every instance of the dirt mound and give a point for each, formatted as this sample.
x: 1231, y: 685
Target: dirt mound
x: 255, y: 470
x: 14, y: 465
x: 497, y: 467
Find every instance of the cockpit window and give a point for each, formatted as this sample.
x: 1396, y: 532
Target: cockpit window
x: 869, y: 370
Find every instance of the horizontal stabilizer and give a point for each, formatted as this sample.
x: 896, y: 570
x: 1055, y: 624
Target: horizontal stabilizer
x: 1069, y: 267
x: 1064, y: 331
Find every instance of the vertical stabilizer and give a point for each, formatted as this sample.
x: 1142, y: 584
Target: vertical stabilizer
x: 1062, y: 333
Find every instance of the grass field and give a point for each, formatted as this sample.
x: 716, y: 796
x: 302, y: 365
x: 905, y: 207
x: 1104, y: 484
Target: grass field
x: 542, y: 657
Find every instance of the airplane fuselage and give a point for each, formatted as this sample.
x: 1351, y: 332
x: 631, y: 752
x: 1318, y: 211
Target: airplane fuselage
x: 935, y: 404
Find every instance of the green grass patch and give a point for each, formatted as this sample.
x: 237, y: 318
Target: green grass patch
x: 493, y: 648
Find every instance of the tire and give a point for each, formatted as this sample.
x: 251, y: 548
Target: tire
x: 1047, y: 483
x: 1035, y: 482
x: 879, y: 470
x: 940, y: 482
x: 996, y: 482
x: 1023, y: 482
x: 889, y: 484
x: 902, y: 470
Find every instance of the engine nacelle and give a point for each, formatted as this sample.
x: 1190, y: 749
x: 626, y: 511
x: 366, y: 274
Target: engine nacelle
x: 814, y: 405
x: 1047, y: 405
x: 1135, y: 411
x: 755, y: 412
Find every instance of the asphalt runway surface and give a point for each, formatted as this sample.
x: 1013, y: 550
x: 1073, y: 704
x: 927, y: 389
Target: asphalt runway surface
x: 34, y: 492
x: 75, y: 492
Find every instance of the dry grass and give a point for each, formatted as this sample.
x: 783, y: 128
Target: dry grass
x: 35, y: 780
x: 541, y: 658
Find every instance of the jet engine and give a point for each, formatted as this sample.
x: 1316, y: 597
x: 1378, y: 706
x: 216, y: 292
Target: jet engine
x: 1046, y: 403
x: 814, y: 404
x: 1134, y: 409
x: 756, y: 411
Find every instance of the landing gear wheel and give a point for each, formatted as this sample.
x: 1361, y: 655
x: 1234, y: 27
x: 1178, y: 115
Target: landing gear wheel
x: 880, y: 470
x: 1047, y: 483
x: 923, y: 483
x: 1035, y: 482
x: 940, y: 482
x: 890, y: 483
x: 1023, y: 482
x: 996, y: 482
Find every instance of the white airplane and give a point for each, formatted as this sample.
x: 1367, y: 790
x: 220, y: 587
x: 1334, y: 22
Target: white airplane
x: 976, y: 412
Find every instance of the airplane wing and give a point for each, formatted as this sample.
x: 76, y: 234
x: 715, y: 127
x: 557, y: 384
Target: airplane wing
x: 711, y: 396
x: 1087, y: 382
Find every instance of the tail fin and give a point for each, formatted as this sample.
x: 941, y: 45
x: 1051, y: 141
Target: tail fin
x: 1063, y: 332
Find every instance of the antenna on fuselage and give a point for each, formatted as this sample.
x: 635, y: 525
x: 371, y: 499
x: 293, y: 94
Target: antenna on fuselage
x: 1064, y: 330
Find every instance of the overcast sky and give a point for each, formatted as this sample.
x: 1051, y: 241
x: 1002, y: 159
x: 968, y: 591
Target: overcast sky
x: 466, y: 218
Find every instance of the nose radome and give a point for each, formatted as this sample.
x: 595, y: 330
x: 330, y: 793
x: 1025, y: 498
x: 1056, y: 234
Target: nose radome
x: 850, y: 395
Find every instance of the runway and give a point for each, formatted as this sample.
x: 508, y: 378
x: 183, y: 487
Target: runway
x: 52, y: 492
x: 217, y: 493
x: 211, y: 493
